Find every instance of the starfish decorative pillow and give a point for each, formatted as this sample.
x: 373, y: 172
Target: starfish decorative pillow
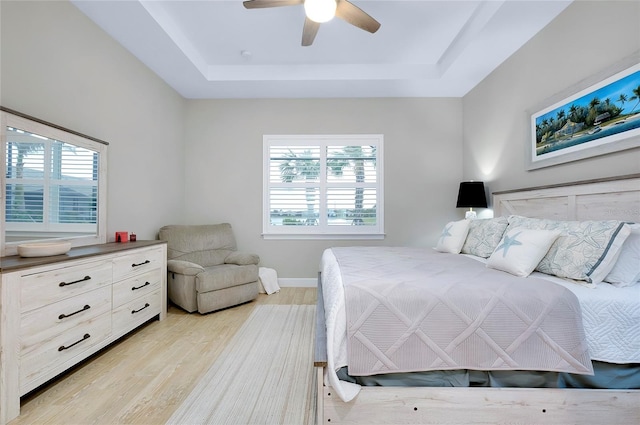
x: 520, y: 250
x: 453, y: 236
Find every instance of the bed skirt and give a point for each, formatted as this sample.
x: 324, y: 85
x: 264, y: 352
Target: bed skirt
x: 606, y: 376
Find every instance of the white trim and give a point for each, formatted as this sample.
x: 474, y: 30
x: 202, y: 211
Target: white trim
x: 298, y: 282
x: 332, y: 236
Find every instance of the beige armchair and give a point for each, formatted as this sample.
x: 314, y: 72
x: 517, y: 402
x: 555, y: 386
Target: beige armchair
x: 205, y: 272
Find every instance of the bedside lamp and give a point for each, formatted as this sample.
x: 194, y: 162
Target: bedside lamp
x: 471, y: 195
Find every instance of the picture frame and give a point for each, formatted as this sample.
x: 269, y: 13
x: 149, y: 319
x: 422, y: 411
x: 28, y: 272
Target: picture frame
x: 597, y: 116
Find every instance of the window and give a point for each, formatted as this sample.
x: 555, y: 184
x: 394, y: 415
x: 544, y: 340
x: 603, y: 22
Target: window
x: 52, y: 184
x: 327, y: 186
x: 49, y: 184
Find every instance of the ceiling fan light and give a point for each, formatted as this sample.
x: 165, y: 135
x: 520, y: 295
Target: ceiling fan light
x: 320, y: 10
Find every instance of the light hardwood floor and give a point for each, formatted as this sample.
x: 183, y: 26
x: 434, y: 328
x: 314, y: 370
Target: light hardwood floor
x: 143, y: 378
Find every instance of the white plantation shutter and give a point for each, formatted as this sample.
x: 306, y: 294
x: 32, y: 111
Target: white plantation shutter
x: 50, y: 185
x: 323, y: 186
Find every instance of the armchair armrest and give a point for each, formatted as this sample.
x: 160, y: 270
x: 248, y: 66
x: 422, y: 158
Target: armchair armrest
x: 241, y: 258
x: 184, y: 267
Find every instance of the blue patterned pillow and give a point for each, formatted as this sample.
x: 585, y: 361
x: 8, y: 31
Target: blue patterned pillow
x: 484, y: 236
x: 585, y: 250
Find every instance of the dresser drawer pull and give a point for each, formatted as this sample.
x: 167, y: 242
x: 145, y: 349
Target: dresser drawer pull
x: 75, y: 281
x: 140, y: 264
x: 63, y: 316
x: 62, y: 347
x: 141, y: 286
x: 139, y: 310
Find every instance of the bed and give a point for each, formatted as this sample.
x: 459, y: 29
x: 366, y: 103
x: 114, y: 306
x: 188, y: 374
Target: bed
x: 596, y: 342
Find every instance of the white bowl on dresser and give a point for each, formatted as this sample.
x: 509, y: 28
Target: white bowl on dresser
x: 43, y: 249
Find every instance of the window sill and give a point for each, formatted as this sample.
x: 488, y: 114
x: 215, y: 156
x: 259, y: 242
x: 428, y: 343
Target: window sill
x: 323, y: 236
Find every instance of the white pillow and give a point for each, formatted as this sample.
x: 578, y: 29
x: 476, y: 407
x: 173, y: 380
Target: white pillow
x: 626, y: 270
x: 520, y: 250
x: 453, y: 236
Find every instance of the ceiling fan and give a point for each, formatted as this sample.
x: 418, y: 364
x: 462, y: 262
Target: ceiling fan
x: 319, y: 11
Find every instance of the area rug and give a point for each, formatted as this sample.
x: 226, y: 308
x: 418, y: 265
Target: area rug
x: 264, y: 376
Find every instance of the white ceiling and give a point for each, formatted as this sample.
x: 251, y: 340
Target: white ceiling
x: 209, y: 49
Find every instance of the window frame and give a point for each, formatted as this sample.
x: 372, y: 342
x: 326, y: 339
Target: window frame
x: 10, y: 118
x: 324, y: 230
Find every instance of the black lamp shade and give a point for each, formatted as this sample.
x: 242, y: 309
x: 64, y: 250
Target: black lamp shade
x: 471, y: 195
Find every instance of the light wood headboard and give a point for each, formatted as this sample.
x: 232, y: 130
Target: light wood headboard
x: 603, y: 199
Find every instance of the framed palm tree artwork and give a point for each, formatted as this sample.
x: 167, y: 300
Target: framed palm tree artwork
x: 596, y: 117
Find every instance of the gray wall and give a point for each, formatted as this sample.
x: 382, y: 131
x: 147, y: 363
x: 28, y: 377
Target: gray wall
x: 422, y: 150
x: 59, y: 66
x: 587, y: 38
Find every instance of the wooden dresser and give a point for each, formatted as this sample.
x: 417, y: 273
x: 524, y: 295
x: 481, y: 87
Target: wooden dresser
x: 56, y: 311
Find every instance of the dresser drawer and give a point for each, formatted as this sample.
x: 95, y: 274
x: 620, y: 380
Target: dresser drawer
x: 49, y: 356
x: 139, y: 261
x: 132, y: 288
x: 44, y: 323
x: 51, y: 286
x: 136, y: 312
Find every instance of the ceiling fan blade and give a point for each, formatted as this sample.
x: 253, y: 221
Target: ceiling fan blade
x: 309, y: 31
x: 259, y: 4
x: 356, y: 16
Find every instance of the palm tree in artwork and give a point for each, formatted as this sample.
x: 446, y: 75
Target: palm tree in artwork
x: 622, y: 99
x: 636, y: 96
x: 573, y: 111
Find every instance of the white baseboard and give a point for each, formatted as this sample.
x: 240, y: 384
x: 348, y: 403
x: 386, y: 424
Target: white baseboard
x: 298, y: 282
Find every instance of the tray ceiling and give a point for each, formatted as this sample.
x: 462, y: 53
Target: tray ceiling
x: 218, y: 49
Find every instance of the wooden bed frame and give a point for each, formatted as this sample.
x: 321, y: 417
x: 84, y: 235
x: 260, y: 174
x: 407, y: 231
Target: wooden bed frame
x: 604, y: 199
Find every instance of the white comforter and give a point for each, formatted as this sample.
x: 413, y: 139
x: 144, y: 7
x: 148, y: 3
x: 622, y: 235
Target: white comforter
x: 611, y: 318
